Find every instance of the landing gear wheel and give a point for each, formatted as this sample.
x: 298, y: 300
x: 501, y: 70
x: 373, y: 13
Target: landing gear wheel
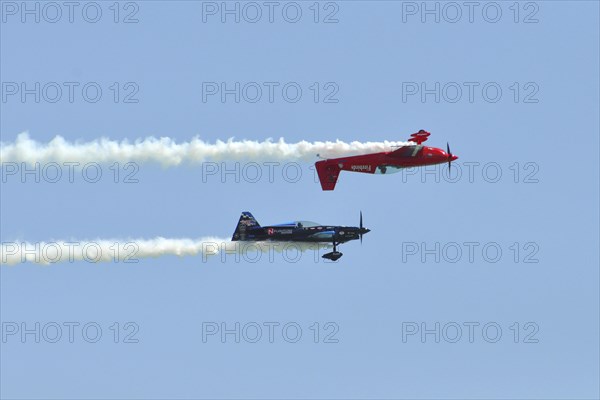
x: 334, y: 255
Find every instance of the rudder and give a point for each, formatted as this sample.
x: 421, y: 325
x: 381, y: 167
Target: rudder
x: 328, y: 172
x: 246, y: 222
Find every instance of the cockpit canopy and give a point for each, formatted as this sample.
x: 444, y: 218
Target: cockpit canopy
x: 306, y: 224
x: 300, y: 224
x: 409, y: 151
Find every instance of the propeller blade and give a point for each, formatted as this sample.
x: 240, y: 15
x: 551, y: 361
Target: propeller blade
x: 449, y: 157
x: 361, y: 227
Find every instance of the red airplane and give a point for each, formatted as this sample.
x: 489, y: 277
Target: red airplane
x: 387, y: 162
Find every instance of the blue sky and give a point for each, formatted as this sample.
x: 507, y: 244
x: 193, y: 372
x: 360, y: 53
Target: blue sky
x: 370, y: 57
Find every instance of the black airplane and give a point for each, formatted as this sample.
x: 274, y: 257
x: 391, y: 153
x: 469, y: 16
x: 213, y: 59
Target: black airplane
x: 249, y: 230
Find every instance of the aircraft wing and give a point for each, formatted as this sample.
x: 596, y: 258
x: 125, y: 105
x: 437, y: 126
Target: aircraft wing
x: 324, y: 235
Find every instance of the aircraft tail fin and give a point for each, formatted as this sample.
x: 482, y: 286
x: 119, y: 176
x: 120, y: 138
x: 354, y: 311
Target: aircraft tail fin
x: 328, y: 172
x: 246, y: 222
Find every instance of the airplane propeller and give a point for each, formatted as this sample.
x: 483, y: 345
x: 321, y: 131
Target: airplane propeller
x: 449, y: 156
x: 361, y: 227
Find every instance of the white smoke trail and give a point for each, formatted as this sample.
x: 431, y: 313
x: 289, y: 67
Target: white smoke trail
x: 131, y: 251
x: 169, y: 153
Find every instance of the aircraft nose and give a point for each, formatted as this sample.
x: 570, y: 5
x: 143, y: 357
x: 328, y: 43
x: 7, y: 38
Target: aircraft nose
x: 440, y: 154
x: 454, y: 157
